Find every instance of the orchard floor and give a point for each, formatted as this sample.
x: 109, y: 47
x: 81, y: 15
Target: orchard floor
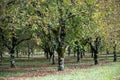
x: 41, y: 69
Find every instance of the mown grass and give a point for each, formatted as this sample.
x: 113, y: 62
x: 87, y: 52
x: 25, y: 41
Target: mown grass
x: 105, y: 72
x: 7, y: 74
x: 41, y: 64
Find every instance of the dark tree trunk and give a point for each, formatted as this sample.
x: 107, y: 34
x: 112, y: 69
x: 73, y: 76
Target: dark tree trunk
x: 29, y: 53
x: 47, y: 55
x: 94, y: 51
x: 92, y: 55
x: 95, y: 58
x: 53, y: 59
x: 1, y: 57
x: 107, y: 51
x: 17, y: 53
x: 12, y: 58
x: 114, y: 52
x: 115, y: 56
x: 51, y: 55
x: 74, y: 52
x: 78, y: 57
x: 68, y: 54
x: 81, y: 54
x: 69, y: 51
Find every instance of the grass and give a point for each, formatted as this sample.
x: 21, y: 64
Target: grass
x: 7, y: 74
x: 25, y: 66
x: 106, y: 72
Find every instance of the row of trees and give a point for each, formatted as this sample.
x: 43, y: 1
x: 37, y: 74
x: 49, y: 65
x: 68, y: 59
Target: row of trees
x: 55, y: 24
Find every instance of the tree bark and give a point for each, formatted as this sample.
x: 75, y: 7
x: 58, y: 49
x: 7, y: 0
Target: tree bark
x: 51, y: 55
x: 95, y: 53
x: 60, y: 59
x: 95, y: 58
x: 12, y: 58
x: 60, y: 63
x: 114, y: 52
x: 1, y: 57
x: 81, y: 54
x: 47, y: 55
x: 107, y: 51
x: 17, y: 53
x: 69, y: 51
x: 115, y: 57
x: 74, y: 52
x: 29, y: 51
x: 53, y: 59
x: 78, y: 57
x: 92, y: 55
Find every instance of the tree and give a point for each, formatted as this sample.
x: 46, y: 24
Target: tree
x: 10, y: 28
x: 110, y: 19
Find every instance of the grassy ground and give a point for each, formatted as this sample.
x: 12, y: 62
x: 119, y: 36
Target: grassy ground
x: 36, y: 67
x: 105, y: 72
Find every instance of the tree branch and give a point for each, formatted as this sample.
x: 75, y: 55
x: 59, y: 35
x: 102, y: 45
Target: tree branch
x: 22, y: 40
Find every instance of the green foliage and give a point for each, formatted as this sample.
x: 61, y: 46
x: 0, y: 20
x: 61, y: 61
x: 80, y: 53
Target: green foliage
x: 68, y: 20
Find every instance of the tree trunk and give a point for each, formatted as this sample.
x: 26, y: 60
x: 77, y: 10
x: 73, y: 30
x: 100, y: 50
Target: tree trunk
x: 17, y: 53
x: 92, y: 55
x: 60, y: 63
x: 53, y: 59
x: 51, y: 55
x: 69, y: 51
x: 1, y: 57
x: 74, y: 52
x: 107, y: 51
x: 78, y: 57
x: 47, y: 55
x: 29, y: 52
x: 95, y: 58
x: 81, y: 54
x: 12, y: 58
x: 60, y: 59
x: 115, y: 55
